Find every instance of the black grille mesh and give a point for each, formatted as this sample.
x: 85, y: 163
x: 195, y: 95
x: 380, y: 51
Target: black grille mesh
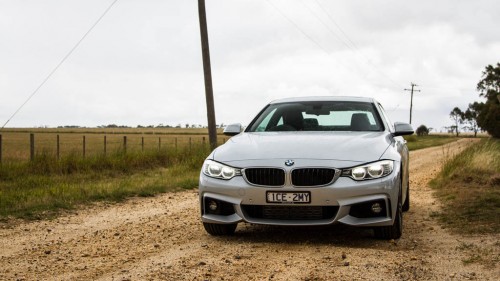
x: 285, y: 212
x: 312, y: 176
x: 265, y: 176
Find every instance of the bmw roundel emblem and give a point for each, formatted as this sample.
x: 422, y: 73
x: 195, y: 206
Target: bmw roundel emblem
x: 289, y: 163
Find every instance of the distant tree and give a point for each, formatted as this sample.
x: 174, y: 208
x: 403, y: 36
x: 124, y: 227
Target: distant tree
x: 187, y: 125
x: 178, y: 126
x: 458, y: 118
x: 470, y: 117
x: 422, y: 131
x: 489, y: 112
x: 161, y: 125
x: 451, y: 129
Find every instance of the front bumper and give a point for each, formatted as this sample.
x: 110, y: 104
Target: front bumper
x: 344, y: 201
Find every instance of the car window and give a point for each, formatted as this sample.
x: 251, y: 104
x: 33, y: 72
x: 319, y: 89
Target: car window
x: 263, y: 124
x: 339, y: 118
x: 318, y: 116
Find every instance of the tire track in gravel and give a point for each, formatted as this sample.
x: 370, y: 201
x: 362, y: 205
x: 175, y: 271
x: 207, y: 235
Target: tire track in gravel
x: 162, y: 238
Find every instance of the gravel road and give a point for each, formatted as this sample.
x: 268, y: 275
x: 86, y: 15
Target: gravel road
x: 162, y: 238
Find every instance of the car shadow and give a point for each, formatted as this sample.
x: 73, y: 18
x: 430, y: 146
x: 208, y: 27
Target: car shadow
x: 334, y: 235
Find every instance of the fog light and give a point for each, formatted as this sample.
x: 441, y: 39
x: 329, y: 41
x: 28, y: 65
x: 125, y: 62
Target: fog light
x: 376, y: 208
x: 212, y: 205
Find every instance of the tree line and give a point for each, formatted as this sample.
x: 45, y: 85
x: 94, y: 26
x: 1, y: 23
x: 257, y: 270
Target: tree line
x: 161, y: 125
x: 482, y: 115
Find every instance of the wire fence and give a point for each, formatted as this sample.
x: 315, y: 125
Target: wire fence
x: 26, y: 146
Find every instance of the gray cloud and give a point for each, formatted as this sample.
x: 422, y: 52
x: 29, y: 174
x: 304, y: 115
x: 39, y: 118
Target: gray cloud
x: 142, y: 63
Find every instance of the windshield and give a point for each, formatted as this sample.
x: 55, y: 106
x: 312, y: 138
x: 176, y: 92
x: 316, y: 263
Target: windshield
x: 317, y: 116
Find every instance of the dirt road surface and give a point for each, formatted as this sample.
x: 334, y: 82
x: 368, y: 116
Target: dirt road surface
x: 162, y: 238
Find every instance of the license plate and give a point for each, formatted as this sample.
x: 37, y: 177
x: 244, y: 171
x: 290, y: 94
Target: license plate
x: 288, y: 197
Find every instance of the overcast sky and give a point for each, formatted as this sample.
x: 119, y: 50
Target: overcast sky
x: 142, y: 65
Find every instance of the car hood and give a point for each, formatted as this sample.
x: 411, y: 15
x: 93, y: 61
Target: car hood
x: 341, y: 146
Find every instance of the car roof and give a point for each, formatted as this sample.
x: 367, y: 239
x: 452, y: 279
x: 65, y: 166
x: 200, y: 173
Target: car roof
x: 324, y: 98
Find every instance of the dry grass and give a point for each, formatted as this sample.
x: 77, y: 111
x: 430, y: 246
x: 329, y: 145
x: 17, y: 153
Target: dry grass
x: 47, y: 185
x: 486, y: 254
x: 16, y: 142
x: 469, y: 186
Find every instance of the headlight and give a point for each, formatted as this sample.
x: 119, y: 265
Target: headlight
x: 220, y: 171
x: 370, y: 171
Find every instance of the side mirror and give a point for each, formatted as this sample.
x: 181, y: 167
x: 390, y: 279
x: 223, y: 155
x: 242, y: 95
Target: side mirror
x: 401, y: 129
x: 232, y: 129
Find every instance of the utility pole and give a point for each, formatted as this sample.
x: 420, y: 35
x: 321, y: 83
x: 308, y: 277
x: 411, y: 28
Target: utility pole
x: 212, y: 131
x: 411, y: 100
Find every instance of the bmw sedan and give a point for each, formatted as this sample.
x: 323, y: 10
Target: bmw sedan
x: 310, y: 161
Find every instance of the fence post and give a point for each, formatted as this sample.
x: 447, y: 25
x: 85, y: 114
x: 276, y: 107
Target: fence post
x: 142, y: 143
x: 0, y: 149
x: 203, y: 141
x: 124, y: 143
x: 105, y: 143
x: 83, y: 146
x: 32, y: 147
x: 58, y: 148
x: 159, y: 143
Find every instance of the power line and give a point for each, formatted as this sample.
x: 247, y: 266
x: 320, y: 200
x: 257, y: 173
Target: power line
x: 335, y: 23
x: 306, y: 35
x: 61, y: 62
x: 297, y: 26
x: 393, y: 109
x: 353, y: 45
x: 325, y: 25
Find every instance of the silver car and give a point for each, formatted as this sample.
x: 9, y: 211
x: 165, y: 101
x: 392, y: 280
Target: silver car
x: 310, y: 161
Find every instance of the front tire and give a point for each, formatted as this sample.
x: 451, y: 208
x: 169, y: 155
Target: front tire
x: 406, y: 205
x: 395, y: 230
x: 216, y: 229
